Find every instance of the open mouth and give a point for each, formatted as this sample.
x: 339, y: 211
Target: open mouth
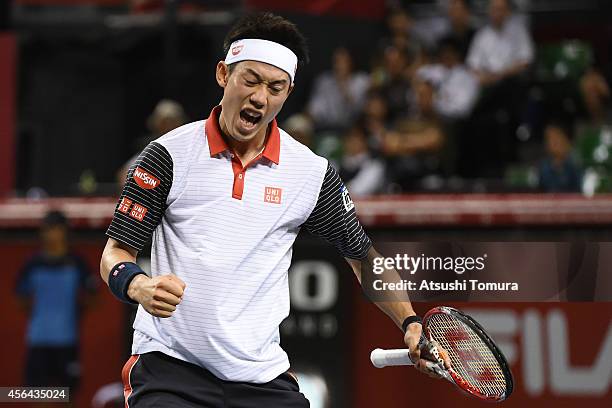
x: 250, y: 118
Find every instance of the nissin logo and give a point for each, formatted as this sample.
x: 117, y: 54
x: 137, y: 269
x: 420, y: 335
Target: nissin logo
x: 236, y: 50
x: 145, y: 179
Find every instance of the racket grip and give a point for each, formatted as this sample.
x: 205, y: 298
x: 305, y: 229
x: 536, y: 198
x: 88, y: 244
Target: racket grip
x: 395, y: 357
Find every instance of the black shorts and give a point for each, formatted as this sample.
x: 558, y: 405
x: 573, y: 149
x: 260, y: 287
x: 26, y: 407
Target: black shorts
x: 52, y: 367
x: 156, y: 380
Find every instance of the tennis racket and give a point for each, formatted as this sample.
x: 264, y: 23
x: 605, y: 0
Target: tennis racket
x: 478, y: 367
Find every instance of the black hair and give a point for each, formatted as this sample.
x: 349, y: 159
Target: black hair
x: 54, y: 218
x: 512, y: 6
x: 271, y: 27
x: 466, y: 3
x: 358, y: 125
x: 562, y: 124
x: 449, y: 42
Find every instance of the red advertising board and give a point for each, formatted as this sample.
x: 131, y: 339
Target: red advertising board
x: 8, y: 58
x: 102, y: 327
x: 560, y: 352
x: 560, y: 355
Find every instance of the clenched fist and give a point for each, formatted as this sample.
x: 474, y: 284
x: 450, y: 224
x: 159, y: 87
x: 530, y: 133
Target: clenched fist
x: 159, y: 295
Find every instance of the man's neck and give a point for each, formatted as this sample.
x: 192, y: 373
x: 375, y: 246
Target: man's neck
x: 55, y: 251
x: 245, y: 150
x: 460, y: 27
x: 500, y: 27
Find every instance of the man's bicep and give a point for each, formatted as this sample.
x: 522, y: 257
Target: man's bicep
x: 334, y: 218
x: 113, y: 244
x: 143, y: 201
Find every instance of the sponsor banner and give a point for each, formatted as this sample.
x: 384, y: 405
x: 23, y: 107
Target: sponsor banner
x: 372, y: 10
x: 560, y: 355
x: 316, y: 333
x: 8, y: 68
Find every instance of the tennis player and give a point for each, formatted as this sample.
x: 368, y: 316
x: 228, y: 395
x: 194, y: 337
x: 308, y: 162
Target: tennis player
x: 223, y: 200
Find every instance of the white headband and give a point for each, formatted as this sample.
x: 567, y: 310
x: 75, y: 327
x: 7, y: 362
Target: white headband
x: 266, y: 51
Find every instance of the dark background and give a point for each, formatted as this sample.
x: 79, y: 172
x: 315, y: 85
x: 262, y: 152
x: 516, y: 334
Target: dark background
x: 87, y: 83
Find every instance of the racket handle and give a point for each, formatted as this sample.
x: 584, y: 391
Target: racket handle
x: 395, y: 357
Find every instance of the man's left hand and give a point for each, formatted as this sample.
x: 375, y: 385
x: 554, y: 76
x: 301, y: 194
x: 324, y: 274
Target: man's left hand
x: 412, y: 337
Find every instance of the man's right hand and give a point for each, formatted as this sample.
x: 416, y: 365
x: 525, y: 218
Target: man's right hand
x: 159, y: 295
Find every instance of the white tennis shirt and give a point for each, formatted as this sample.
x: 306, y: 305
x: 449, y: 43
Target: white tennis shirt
x: 227, y: 231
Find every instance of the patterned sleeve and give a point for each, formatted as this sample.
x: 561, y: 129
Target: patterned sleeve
x: 334, y: 218
x: 143, y: 201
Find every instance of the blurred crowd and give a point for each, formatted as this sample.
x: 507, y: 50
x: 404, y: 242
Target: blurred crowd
x: 450, y: 104
x: 459, y: 102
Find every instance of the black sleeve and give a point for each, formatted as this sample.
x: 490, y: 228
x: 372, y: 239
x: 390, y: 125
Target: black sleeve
x: 334, y: 218
x: 143, y: 201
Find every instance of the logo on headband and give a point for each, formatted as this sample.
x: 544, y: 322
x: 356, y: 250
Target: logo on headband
x: 236, y: 50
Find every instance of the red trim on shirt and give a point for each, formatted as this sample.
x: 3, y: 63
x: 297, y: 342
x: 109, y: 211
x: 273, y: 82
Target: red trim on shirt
x: 217, y: 144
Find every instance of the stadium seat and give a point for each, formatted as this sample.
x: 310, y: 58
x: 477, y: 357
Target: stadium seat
x: 565, y: 60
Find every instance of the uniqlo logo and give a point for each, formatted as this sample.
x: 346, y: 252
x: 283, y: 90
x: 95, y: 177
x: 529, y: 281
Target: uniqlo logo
x: 138, y: 212
x: 124, y: 205
x: 273, y: 195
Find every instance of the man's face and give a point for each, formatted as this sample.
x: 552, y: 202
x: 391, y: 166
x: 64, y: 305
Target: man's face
x: 53, y: 235
x: 254, y: 93
x: 449, y: 57
x: 499, y: 10
x: 395, y: 61
x: 458, y: 13
x: 557, y: 143
x: 342, y: 62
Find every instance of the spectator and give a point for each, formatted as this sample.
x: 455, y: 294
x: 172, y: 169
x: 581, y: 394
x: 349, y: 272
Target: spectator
x: 50, y: 286
x: 363, y: 174
x: 300, y: 127
x: 166, y: 116
x: 558, y: 171
x: 400, y: 34
x: 502, y: 49
x: 414, y: 147
x: 461, y: 27
x: 455, y: 86
x: 392, y: 81
x: 339, y: 95
x: 420, y: 133
x: 499, y: 56
x: 376, y: 119
x: 595, y: 92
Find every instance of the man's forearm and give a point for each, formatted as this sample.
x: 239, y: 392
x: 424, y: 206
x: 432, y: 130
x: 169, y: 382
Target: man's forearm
x: 516, y: 69
x: 397, y: 309
x: 114, y: 253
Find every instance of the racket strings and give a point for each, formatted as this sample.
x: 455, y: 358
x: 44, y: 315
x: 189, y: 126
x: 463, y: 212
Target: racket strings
x: 470, y: 356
